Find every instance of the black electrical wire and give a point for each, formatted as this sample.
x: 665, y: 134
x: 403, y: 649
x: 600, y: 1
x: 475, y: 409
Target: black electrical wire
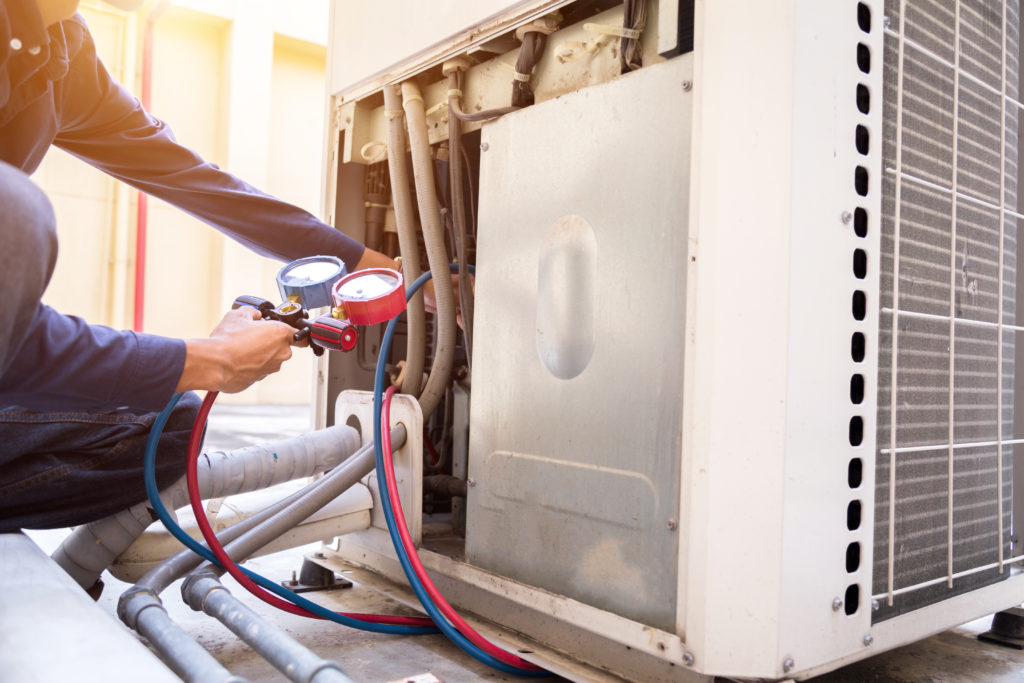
x: 530, y: 53
x: 634, y: 18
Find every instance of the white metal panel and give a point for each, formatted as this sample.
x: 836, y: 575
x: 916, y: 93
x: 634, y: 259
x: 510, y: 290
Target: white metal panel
x: 769, y: 364
x: 737, y: 354
x: 405, y: 410
x: 823, y: 239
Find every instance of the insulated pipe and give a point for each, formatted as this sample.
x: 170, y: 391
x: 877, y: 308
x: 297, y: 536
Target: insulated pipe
x: 453, y: 70
x: 143, y: 612
x: 92, y: 547
x: 446, y: 484
x: 407, y: 243
x: 327, y: 488
x: 204, y: 593
x: 173, y: 568
x: 176, y: 647
x: 433, y: 237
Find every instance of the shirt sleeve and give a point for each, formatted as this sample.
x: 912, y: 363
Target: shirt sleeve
x: 67, y: 362
x: 101, y: 123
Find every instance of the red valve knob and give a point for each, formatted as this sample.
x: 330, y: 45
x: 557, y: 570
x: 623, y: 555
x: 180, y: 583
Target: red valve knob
x: 333, y: 334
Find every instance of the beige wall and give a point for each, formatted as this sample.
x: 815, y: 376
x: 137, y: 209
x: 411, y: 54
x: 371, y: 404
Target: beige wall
x: 242, y: 83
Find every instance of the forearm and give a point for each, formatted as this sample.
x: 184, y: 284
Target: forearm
x: 374, y: 259
x: 241, y: 350
x: 205, y: 367
x: 105, y: 126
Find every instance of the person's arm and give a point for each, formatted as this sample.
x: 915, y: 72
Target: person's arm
x: 69, y: 363
x: 105, y: 126
x: 241, y: 350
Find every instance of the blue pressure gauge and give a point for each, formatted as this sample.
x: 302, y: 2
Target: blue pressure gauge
x: 310, y: 280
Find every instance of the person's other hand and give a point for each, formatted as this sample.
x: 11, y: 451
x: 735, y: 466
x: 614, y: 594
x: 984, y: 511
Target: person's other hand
x: 240, y: 351
x: 430, y: 300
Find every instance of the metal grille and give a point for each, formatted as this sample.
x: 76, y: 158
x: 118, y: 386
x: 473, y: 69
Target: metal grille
x: 948, y: 300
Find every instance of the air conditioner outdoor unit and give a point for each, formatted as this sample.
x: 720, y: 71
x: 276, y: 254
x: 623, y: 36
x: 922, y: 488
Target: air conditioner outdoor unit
x: 745, y: 347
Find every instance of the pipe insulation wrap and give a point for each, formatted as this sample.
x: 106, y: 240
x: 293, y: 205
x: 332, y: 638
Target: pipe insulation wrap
x: 338, y: 480
x: 173, y: 568
x: 407, y: 242
x: 204, y: 593
x: 433, y: 237
x: 91, y: 548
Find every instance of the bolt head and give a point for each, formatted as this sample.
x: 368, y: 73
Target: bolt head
x: 672, y: 524
x: 837, y: 604
x: 868, y: 640
x: 846, y: 217
x: 875, y: 605
x: 788, y: 664
x: 688, y: 659
x: 471, y: 481
x: 687, y: 86
x: 484, y: 146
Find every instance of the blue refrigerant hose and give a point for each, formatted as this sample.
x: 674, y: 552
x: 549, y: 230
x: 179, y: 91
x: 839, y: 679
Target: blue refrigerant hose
x: 149, y: 471
x: 149, y: 474
x: 389, y: 514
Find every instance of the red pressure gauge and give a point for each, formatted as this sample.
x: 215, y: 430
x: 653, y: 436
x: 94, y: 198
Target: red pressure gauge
x: 370, y: 296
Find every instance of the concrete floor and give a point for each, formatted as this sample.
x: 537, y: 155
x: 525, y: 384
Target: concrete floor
x: 953, y: 656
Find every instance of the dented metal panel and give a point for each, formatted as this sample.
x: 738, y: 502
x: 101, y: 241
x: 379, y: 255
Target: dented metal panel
x: 575, y: 428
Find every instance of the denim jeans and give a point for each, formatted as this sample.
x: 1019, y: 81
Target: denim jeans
x: 67, y: 468
x: 62, y: 467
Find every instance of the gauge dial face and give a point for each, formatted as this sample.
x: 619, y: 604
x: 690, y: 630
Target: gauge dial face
x: 370, y: 296
x: 369, y: 286
x: 310, y: 273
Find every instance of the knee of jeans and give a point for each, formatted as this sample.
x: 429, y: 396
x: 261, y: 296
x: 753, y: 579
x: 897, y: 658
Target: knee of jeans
x: 184, y: 414
x: 27, y: 223
x: 170, y: 461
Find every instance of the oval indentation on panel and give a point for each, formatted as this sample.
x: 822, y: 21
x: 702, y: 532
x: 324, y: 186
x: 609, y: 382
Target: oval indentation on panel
x: 567, y: 297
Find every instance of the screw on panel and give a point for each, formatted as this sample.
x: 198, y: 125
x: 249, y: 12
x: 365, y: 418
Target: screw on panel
x: 687, y: 86
x: 868, y: 640
x: 875, y: 605
x: 688, y: 659
x: 837, y: 604
x: 484, y: 146
x: 471, y: 481
x: 886, y: 21
x: 787, y: 665
x: 672, y: 524
x: 846, y: 217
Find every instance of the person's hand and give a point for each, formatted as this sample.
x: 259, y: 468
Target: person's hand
x: 240, y: 351
x: 430, y: 300
x: 373, y: 259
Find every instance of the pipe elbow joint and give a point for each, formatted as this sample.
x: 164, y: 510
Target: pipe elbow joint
x: 197, y: 586
x: 133, y: 602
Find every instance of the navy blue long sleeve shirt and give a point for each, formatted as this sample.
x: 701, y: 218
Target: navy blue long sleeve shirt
x: 55, y: 91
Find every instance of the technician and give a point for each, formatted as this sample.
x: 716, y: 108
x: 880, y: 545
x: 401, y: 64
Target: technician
x: 77, y: 400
